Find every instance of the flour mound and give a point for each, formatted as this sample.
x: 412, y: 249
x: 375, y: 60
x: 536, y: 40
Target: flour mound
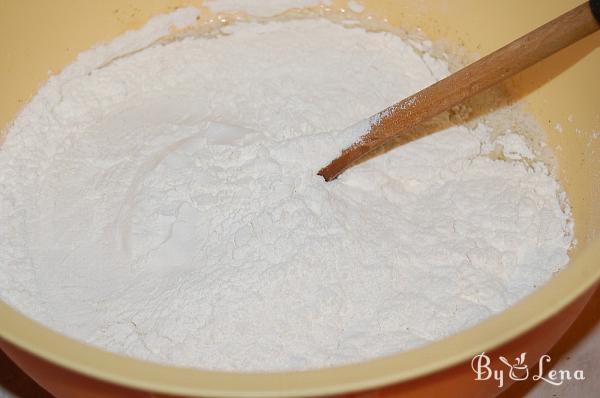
x: 166, y: 205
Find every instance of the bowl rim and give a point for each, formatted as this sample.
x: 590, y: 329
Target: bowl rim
x: 580, y: 275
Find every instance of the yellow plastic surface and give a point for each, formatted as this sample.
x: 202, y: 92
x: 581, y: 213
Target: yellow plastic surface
x: 41, y: 37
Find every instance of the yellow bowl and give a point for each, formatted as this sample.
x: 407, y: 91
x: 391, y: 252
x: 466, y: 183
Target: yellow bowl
x: 36, y: 37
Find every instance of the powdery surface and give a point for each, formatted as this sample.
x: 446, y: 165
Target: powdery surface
x: 166, y: 205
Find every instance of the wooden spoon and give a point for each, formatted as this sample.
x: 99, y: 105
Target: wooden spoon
x: 400, y: 118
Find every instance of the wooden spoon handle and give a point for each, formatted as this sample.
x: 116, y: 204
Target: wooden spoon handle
x: 451, y: 91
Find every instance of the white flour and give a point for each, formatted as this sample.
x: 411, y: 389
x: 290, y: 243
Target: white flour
x: 133, y: 218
